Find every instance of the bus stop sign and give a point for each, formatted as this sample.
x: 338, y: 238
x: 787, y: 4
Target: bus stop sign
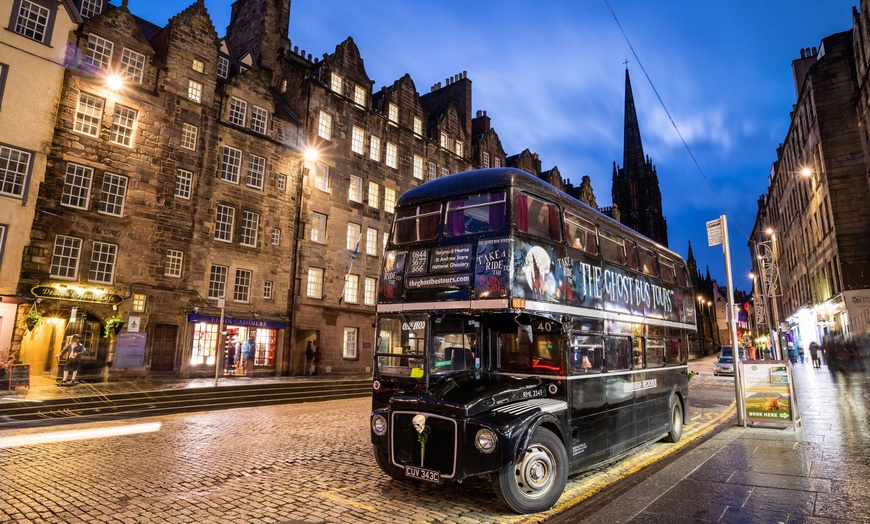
x: 714, y: 232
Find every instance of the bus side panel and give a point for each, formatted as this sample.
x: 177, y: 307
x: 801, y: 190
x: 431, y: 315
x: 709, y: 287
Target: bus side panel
x: 621, y: 433
x: 644, y: 403
x: 660, y: 417
x: 588, y: 421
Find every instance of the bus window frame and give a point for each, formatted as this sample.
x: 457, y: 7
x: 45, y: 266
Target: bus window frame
x: 417, y: 215
x: 446, y: 229
x: 606, y: 236
x: 669, y: 277
x: 523, y: 222
x: 579, y: 352
x: 577, y: 226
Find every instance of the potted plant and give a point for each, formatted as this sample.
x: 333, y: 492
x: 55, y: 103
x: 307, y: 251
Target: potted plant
x: 32, y: 319
x: 114, y: 325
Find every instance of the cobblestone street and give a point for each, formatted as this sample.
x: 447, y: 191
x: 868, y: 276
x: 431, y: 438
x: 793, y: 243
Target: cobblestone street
x: 282, y: 464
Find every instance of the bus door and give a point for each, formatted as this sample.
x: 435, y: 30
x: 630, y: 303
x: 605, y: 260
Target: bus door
x: 621, y: 433
x: 588, y: 399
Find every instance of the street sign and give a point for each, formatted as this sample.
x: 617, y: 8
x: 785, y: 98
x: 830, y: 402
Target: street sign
x: 714, y: 232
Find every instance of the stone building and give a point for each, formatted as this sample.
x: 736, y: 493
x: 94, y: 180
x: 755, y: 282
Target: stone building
x: 811, y: 239
x: 635, y: 188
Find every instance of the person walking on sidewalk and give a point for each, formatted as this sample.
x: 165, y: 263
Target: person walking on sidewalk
x: 73, y: 353
x: 249, y: 350
x: 814, y: 355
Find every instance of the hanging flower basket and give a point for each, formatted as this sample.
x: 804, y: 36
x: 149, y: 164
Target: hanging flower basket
x: 114, y: 325
x: 32, y: 319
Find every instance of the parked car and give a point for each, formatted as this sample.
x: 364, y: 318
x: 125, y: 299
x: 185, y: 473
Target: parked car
x: 724, y: 366
x: 726, y: 351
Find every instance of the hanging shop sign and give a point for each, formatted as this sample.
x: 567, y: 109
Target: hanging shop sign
x: 76, y: 294
x: 230, y: 321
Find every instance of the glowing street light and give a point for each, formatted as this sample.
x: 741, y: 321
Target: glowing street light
x: 114, y: 82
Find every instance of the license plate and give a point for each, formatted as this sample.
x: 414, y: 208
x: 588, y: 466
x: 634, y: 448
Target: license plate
x: 423, y: 474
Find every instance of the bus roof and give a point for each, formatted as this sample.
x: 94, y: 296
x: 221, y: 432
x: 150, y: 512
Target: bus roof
x: 479, y: 180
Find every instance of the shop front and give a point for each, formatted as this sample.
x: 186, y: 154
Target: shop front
x: 203, y: 352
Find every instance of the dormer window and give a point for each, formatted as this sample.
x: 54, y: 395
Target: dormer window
x: 418, y: 126
x: 443, y: 140
x: 393, y: 113
x: 359, y: 95
x: 224, y: 67
x: 335, y: 83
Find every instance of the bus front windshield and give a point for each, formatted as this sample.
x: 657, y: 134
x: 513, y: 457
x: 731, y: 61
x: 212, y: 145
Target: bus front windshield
x: 407, y: 349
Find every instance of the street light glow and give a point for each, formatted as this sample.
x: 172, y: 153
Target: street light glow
x: 114, y: 82
x: 310, y: 154
x: 806, y: 171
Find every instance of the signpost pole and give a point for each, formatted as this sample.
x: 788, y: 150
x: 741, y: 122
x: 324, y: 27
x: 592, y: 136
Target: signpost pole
x: 717, y: 233
x: 219, y: 351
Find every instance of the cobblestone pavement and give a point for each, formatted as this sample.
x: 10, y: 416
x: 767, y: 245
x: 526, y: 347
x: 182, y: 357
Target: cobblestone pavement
x: 300, y: 463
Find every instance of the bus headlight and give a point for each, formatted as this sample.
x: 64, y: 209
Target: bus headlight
x: 485, y: 440
x: 379, y: 425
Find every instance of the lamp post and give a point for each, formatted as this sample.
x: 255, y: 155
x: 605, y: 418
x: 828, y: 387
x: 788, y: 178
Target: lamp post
x: 770, y: 286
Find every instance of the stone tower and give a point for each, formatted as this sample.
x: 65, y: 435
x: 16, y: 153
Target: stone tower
x: 635, y: 185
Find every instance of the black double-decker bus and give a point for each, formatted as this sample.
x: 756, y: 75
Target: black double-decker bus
x: 523, y: 335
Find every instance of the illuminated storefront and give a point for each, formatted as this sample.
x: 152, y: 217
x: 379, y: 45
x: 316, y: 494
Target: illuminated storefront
x: 205, y: 336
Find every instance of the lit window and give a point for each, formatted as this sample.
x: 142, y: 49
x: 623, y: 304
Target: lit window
x: 188, y: 136
x: 267, y: 289
x: 103, y: 263
x: 223, y: 67
x: 375, y: 149
x: 276, y: 236
x: 370, y: 291
x: 389, y: 200
x: 393, y: 113
x: 335, y: 82
x: 256, y: 171
x: 242, y: 286
x: 238, y: 111
x: 77, y: 186
x: 223, y: 224
x: 357, y: 140
x: 65, y: 257
x: 354, y: 193
x: 372, y: 242
x: 392, y: 159
x: 174, y: 261
x: 132, y: 65
x: 359, y: 96
x: 281, y: 182
x: 183, y: 184
x: 318, y: 228
x: 99, y: 52
x: 197, y: 65
x: 314, y: 289
x: 349, y: 346
x: 123, y: 122
x: 433, y: 171
x: 418, y: 167
x: 321, y: 178
x: 457, y: 148
x: 91, y: 8
x: 324, y: 126
x: 14, y: 169
x: 89, y: 111
x: 443, y: 140
x: 231, y: 164
x: 250, y: 225
x: 139, y: 302
x: 217, y: 281
x: 374, y: 194
x: 418, y: 126
x: 113, y: 194
x: 444, y: 171
x: 351, y: 289
x: 353, y: 235
x: 32, y: 21
x: 259, y: 118
x: 194, y: 91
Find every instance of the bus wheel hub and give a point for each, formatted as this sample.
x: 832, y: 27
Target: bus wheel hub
x: 535, y: 471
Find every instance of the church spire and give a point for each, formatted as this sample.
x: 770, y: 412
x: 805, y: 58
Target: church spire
x: 633, y: 158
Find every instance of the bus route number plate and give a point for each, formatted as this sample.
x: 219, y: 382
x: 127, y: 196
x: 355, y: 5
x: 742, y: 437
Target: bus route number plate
x: 423, y: 474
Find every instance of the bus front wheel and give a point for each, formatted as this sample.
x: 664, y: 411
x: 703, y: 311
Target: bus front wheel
x: 386, y: 466
x: 676, y: 431
x: 536, y: 480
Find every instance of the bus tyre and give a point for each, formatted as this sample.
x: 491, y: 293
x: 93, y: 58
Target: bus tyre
x: 536, y: 481
x: 676, y: 431
x: 386, y: 466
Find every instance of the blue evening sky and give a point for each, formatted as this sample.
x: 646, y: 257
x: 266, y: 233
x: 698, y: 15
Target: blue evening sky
x: 550, y: 75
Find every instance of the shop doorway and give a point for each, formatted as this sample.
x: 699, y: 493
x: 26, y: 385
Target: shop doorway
x: 303, y: 337
x: 163, y: 347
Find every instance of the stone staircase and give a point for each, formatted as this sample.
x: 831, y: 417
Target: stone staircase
x: 161, y: 402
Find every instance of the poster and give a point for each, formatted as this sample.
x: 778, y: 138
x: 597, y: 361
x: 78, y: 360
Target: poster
x: 130, y: 351
x: 767, y: 391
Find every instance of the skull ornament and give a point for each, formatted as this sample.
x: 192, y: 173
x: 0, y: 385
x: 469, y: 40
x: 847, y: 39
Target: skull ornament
x: 419, y: 422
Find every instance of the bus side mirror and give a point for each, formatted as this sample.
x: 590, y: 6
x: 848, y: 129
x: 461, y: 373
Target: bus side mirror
x: 525, y: 334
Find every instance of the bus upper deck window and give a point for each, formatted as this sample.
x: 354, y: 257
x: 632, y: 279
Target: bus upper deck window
x: 537, y: 217
x: 667, y: 270
x: 417, y: 223
x: 682, y: 276
x: 581, y: 234
x: 476, y: 214
x: 612, y: 247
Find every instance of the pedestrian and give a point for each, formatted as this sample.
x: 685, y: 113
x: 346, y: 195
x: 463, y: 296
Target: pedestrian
x: 73, y: 353
x: 791, y: 357
x: 309, y: 358
x: 249, y: 350
x: 814, y: 355
x: 230, y: 359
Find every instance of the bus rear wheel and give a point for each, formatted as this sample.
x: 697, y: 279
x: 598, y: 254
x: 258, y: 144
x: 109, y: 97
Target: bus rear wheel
x: 536, y: 480
x: 676, y: 431
x: 386, y: 466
